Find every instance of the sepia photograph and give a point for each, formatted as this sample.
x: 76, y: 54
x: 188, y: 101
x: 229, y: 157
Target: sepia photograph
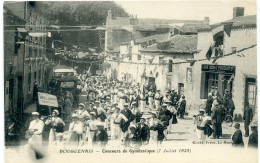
x: 130, y: 81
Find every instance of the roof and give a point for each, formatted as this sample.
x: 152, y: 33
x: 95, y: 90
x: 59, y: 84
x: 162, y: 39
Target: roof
x: 195, y: 28
x: 64, y: 70
x: 178, y: 44
x: 244, y: 21
x: 157, y: 37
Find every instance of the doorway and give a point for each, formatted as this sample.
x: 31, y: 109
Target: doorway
x: 180, y: 88
x: 250, y: 92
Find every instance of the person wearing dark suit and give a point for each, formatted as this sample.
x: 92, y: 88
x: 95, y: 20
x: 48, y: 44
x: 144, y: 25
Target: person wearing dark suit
x: 100, y: 137
x: 253, y: 138
x: 182, y: 107
x: 237, y: 138
x: 144, y: 131
x: 248, y: 116
x: 209, y: 104
x: 216, y: 120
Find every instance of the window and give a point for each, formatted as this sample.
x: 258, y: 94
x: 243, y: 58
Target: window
x: 139, y: 57
x: 170, y: 65
x: 35, y: 52
x: 29, y: 79
x: 30, y: 52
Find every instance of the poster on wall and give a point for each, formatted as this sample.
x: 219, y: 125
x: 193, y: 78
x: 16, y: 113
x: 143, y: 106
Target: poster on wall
x: 189, y: 75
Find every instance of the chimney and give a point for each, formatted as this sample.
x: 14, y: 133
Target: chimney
x: 109, y: 14
x: 206, y: 21
x: 238, y: 11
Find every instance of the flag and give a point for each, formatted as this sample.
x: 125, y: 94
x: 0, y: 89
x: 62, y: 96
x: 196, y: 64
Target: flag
x: 209, y: 53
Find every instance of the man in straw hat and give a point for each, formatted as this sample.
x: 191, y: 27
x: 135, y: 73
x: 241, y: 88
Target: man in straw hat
x: 201, y: 121
x: 56, y: 124
x: 92, y: 127
x: 143, y: 130
x: 100, y: 137
x: 115, y: 120
x: 34, y: 135
x: 76, y: 127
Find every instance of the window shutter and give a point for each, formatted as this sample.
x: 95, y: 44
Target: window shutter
x: 202, y: 85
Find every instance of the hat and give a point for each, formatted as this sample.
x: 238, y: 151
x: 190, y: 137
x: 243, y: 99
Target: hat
x: 132, y: 126
x: 201, y: 110
x: 91, y: 103
x: 133, y: 103
x: 59, y: 135
x: 97, y: 102
x: 56, y: 111
x: 108, y: 98
x: 153, y: 112
x: 126, y: 104
x: 254, y: 124
x: 168, y: 101
x: 117, y: 107
x: 81, y: 104
x: 35, y: 113
x: 99, y: 124
x: 92, y: 113
x: 164, y: 105
x: 237, y: 125
x: 74, y: 115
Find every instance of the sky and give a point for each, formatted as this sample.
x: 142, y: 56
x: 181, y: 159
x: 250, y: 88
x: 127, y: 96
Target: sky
x: 216, y: 10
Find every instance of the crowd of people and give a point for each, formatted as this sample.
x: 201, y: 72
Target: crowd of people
x: 133, y: 115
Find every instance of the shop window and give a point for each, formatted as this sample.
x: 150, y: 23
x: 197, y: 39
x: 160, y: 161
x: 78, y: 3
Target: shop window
x: 139, y: 57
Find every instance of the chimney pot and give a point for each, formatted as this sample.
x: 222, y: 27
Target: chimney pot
x: 238, y: 11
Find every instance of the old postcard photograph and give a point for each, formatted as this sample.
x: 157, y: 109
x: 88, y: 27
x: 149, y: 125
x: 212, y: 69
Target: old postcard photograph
x: 130, y: 81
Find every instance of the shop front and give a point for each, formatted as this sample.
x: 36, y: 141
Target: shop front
x: 216, y: 78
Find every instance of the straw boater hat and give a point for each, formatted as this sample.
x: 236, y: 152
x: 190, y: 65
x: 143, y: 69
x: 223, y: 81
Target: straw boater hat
x: 164, y: 105
x: 92, y: 113
x: 81, y: 104
x: 74, y: 115
x: 35, y: 113
x: 100, y: 124
x: 254, y: 124
x: 56, y: 111
x: 201, y: 110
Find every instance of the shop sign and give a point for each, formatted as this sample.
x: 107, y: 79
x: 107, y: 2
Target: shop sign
x: 218, y: 68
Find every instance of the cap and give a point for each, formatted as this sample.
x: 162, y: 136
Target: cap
x: 201, y: 110
x: 133, y: 103
x: 254, y: 124
x: 237, y: 125
x: 164, y: 105
x: 168, y: 101
x: 81, y: 104
x: 126, y: 104
x: 56, y: 111
x: 99, y: 124
x: 92, y: 113
x: 132, y: 126
x: 74, y: 115
x: 35, y: 113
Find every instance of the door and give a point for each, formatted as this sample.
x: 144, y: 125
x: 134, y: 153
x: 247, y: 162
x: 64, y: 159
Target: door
x: 250, y: 92
x: 181, y: 89
x: 20, y: 94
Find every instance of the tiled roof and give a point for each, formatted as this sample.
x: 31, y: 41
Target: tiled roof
x: 244, y: 21
x: 154, y: 37
x: 178, y: 44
